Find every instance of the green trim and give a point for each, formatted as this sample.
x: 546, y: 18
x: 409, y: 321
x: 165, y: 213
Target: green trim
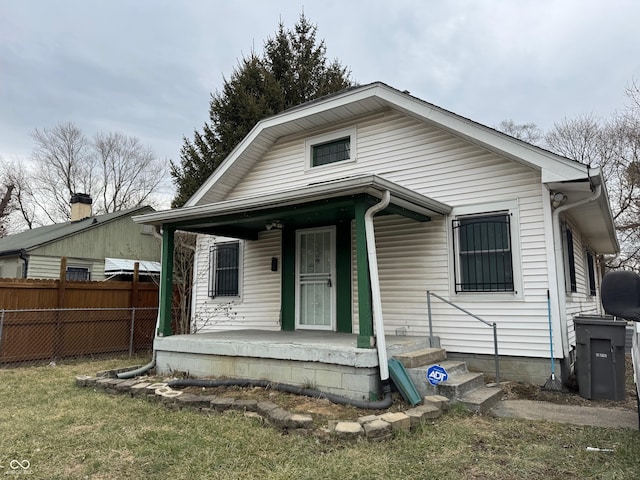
x: 166, y: 282
x: 344, y: 322
x: 288, y: 291
x: 365, y: 316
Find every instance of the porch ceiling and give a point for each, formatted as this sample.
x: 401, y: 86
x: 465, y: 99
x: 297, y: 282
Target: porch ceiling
x: 312, y: 205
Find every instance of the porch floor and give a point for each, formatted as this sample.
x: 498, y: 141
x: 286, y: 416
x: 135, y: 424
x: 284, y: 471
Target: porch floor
x: 305, y: 346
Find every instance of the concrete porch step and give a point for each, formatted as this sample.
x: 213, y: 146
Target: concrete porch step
x: 426, y: 356
x: 460, y: 384
x: 481, y: 399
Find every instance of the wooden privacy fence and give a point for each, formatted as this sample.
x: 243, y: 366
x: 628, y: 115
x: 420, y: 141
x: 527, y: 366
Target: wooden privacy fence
x: 50, y: 319
x: 37, y: 335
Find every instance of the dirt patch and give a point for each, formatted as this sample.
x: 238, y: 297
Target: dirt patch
x: 526, y: 391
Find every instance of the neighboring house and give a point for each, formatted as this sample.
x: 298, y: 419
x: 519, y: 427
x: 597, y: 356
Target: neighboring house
x: 510, y: 232
x: 87, y: 242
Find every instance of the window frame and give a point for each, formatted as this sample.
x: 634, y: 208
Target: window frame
x: 590, y: 273
x: 509, y: 207
x: 77, y: 269
x: 213, y: 269
x: 569, y: 260
x: 320, y: 140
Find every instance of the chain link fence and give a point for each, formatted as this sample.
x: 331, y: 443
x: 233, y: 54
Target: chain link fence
x: 56, y: 334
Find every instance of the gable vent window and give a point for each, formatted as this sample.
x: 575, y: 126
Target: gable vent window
x: 224, y: 277
x: 331, y: 152
x: 483, y: 253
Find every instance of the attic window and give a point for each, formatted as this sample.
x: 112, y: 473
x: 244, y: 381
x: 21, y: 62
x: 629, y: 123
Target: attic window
x: 332, y: 148
x: 331, y: 152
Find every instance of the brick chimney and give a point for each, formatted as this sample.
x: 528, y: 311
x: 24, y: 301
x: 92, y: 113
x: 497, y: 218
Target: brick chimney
x: 80, y: 206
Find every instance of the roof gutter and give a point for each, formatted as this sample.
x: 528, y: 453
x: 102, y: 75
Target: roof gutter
x: 557, y: 241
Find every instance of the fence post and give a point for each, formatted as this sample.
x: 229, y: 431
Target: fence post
x: 133, y: 326
x: 1, y: 323
x: 62, y: 285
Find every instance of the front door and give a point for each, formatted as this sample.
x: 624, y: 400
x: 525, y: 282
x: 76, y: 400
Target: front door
x: 315, y: 277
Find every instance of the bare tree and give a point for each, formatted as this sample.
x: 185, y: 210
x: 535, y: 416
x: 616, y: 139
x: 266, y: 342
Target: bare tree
x: 614, y: 146
x: 130, y: 172
x: 183, y: 270
x: 64, y: 164
x: 116, y: 170
x: 528, y: 132
x: 5, y: 202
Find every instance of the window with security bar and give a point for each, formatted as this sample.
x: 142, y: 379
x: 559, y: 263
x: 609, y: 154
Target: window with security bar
x: 224, y: 272
x: 483, y: 258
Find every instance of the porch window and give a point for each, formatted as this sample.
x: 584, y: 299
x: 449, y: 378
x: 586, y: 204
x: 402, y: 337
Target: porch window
x: 591, y: 273
x: 483, y: 253
x: 78, y: 274
x: 224, y: 261
x: 570, y: 261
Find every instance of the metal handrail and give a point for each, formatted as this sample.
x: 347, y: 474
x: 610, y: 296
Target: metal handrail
x: 493, y: 325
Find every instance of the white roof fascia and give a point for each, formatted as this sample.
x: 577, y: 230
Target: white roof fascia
x: 371, y: 184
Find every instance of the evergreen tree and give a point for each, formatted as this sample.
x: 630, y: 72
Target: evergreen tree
x: 293, y: 70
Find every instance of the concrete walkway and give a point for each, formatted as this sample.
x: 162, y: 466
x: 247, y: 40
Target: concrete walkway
x: 551, y: 412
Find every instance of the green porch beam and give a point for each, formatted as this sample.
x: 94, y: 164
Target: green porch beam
x: 344, y: 321
x: 365, y: 315
x: 288, y: 288
x: 166, y: 282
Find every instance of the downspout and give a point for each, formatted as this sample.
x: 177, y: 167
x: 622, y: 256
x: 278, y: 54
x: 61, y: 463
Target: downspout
x: 25, y: 263
x: 374, y: 279
x: 557, y: 240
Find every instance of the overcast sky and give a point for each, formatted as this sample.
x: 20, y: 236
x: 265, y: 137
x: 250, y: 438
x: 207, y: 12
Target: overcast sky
x: 146, y: 68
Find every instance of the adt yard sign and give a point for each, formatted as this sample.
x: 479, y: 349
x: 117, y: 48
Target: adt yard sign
x: 436, y: 374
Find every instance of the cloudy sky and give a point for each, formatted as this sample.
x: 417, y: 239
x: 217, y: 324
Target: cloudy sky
x: 146, y: 68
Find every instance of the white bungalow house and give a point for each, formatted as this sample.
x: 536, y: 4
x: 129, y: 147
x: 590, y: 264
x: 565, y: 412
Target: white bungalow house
x: 325, y: 228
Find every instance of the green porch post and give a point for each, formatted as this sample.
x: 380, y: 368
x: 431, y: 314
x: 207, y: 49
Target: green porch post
x: 365, y: 316
x: 166, y: 282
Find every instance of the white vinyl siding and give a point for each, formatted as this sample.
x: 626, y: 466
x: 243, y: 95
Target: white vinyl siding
x: 415, y: 257
x: 259, y: 304
x: 581, y: 302
x: 49, y: 267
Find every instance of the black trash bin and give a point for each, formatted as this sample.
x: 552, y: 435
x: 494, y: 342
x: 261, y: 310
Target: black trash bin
x: 600, y: 357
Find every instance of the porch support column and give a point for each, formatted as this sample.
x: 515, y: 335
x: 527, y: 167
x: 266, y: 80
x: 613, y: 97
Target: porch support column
x: 365, y: 317
x: 166, y: 282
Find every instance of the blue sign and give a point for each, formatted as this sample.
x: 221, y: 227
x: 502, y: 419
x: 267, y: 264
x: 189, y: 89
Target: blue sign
x: 437, y: 374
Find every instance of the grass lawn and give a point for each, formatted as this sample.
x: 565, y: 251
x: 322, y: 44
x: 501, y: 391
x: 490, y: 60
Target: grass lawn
x: 66, y: 432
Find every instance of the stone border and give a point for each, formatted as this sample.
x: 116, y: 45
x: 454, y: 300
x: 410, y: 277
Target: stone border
x: 372, y: 427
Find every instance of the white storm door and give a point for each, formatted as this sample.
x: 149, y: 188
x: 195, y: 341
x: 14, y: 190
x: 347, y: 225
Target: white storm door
x: 315, y: 271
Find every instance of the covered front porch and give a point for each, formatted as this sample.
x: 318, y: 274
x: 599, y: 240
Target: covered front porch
x: 328, y: 361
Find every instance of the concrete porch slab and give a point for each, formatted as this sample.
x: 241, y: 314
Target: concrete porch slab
x: 305, y: 346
